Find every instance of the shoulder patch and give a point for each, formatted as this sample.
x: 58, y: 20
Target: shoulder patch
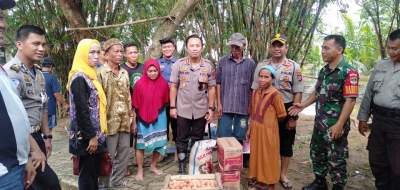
x: 15, y: 67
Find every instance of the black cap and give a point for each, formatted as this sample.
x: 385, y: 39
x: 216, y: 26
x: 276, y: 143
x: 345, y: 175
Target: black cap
x: 167, y: 40
x: 47, y: 62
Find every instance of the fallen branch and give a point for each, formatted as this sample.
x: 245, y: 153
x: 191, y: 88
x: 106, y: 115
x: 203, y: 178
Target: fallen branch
x: 121, y: 24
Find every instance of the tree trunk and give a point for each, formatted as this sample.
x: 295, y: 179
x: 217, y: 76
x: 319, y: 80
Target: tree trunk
x: 168, y: 27
x: 73, y: 13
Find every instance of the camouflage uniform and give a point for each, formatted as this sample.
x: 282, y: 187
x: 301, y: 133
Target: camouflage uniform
x: 332, y: 88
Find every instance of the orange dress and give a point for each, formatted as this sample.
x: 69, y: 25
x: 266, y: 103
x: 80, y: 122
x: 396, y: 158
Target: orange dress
x: 266, y: 107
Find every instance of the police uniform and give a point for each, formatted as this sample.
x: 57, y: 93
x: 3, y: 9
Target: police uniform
x: 289, y: 81
x: 30, y: 85
x: 382, y: 100
x: 192, y: 83
x: 332, y: 89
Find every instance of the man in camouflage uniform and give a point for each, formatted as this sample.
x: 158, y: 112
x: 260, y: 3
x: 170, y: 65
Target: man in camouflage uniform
x: 335, y: 96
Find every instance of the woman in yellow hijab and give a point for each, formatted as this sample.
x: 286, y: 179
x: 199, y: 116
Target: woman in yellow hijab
x: 87, y: 112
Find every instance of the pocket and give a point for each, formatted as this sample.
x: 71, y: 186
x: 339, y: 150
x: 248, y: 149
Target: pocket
x: 378, y: 82
x: 285, y: 82
x: 397, y: 90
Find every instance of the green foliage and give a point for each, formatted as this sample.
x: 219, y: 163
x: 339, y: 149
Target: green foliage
x: 215, y: 20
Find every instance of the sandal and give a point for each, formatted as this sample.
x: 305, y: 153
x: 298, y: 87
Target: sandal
x: 286, y: 184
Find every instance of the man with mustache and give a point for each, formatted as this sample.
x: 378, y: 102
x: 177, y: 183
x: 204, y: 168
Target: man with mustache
x: 115, y: 82
x: 30, y: 85
x: 289, y: 81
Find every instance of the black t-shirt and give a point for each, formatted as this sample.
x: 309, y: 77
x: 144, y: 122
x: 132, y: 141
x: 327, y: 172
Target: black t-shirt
x: 134, y: 73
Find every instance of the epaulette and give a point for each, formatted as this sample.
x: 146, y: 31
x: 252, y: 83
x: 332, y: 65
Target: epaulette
x: 15, y: 67
x: 206, y: 60
x: 37, y: 66
x: 181, y: 59
x: 266, y: 61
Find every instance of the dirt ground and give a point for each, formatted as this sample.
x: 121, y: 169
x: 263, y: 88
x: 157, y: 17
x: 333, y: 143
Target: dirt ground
x: 300, y: 170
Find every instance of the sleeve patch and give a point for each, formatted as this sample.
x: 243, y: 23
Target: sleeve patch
x: 351, y: 84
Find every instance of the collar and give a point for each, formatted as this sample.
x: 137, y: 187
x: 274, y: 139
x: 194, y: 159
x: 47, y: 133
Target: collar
x: 240, y: 61
x: 339, y: 66
x: 137, y: 65
x: 268, y: 91
x: 172, y: 59
x: 108, y: 68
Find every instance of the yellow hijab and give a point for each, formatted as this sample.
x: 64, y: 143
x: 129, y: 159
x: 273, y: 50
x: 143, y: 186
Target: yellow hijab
x: 81, y: 64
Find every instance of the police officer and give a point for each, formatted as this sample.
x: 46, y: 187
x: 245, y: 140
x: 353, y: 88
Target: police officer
x: 289, y: 81
x: 192, y: 94
x: 382, y: 100
x: 30, y: 85
x: 335, y: 96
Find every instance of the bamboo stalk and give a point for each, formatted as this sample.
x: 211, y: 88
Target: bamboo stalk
x: 121, y: 24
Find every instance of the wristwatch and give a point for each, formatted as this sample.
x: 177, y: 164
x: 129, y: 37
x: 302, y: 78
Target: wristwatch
x: 47, y: 136
x: 211, y: 108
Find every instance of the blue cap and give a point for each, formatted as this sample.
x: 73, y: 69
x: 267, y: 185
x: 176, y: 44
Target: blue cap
x: 47, y: 62
x: 270, y: 69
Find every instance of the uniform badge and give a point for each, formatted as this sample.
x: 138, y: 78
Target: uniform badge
x: 27, y: 78
x: 204, y: 69
x: 299, y: 76
x: 183, y: 69
x: 203, y: 79
x: 351, y: 84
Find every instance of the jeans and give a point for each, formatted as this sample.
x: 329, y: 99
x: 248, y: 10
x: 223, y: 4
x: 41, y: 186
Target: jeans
x: 14, y: 179
x: 239, y: 123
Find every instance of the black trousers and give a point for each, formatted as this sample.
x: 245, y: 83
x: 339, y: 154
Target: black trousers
x: 89, y: 171
x: 192, y: 129
x: 48, y: 179
x: 384, y: 151
x: 286, y: 136
x: 172, y: 121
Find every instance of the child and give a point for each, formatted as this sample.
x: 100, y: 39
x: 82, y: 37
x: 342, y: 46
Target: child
x: 266, y: 108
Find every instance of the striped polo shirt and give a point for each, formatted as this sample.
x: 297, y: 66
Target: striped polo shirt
x: 235, y: 80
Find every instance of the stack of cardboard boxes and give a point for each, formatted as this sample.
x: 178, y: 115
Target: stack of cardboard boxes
x: 230, y: 161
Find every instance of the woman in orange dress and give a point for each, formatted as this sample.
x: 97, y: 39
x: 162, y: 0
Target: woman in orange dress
x: 267, y: 108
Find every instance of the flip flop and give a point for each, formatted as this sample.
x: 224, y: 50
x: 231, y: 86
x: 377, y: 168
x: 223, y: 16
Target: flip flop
x: 286, y: 184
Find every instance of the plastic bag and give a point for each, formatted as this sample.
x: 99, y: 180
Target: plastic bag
x: 200, y: 160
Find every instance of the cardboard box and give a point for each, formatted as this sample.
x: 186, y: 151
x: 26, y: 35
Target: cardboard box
x: 229, y: 176
x: 229, y: 153
x: 216, y: 177
x: 231, y: 185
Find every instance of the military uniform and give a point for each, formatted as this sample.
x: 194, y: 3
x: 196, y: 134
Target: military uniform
x: 30, y: 85
x: 289, y: 81
x: 332, y: 87
x: 192, y: 99
x: 382, y: 100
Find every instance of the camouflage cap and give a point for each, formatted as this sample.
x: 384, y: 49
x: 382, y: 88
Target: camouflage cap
x: 237, y: 39
x: 280, y: 38
x: 111, y: 42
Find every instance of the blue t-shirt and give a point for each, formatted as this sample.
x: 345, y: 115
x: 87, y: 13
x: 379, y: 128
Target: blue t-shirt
x: 166, y: 67
x: 52, y: 86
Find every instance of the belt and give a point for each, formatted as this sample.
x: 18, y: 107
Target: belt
x: 387, y: 112
x: 35, y: 128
